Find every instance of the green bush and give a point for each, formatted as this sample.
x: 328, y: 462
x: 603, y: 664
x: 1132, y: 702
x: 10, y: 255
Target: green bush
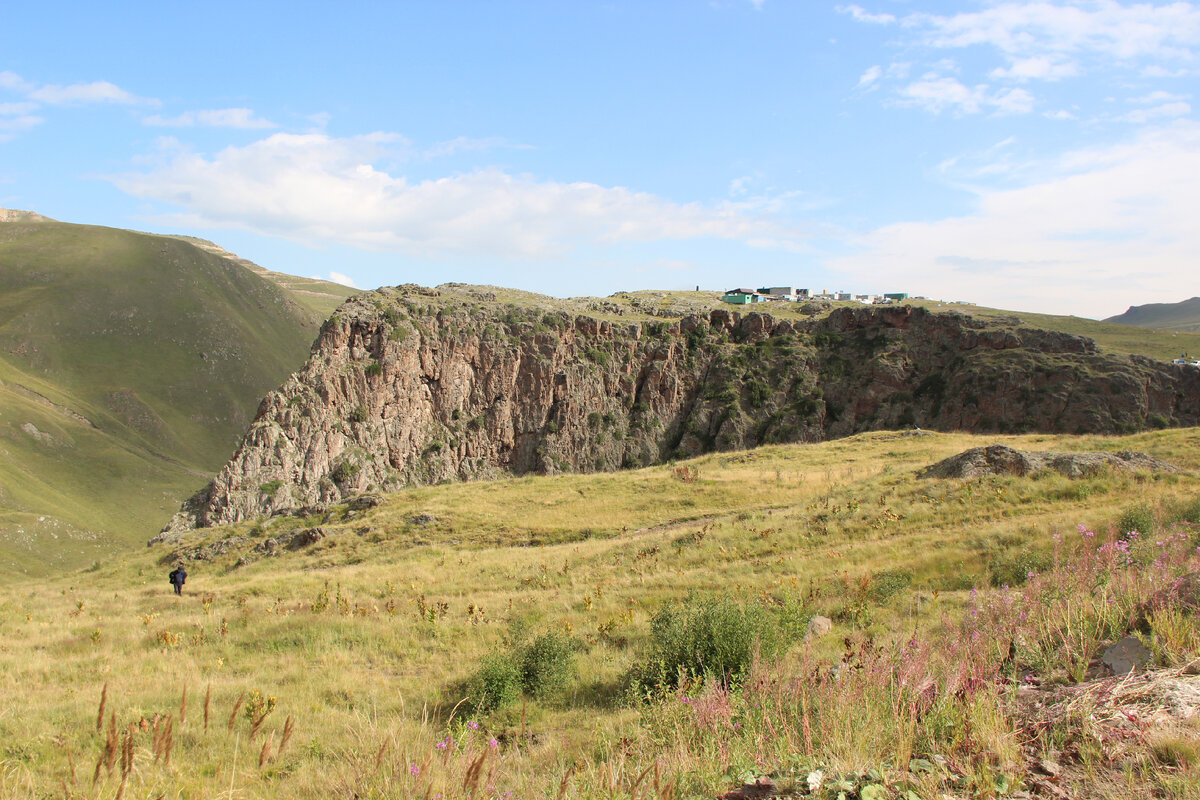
x: 374, y: 368
x: 885, y: 585
x: 1188, y: 511
x: 545, y: 664
x: 538, y: 668
x: 1136, y: 518
x: 497, y: 683
x: 270, y: 487
x: 706, y: 637
x: 1012, y: 567
x: 343, y: 472
x: 358, y: 415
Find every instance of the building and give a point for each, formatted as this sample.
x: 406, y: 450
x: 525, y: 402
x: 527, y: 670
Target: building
x: 780, y: 292
x: 742, y: 297
x: 896, y: 296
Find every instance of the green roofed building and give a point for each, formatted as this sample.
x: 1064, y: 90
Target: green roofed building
x: 897, y: 296
x: 741, y: 297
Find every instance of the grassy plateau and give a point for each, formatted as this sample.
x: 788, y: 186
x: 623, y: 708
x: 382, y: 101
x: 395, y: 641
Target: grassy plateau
x: 638, y: 634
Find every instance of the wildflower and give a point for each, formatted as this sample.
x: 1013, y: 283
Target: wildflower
x: 414, y: 769
x: 473, y: 725
x: 442, y: 745
x: 815, y: 779
x: 493, y: 743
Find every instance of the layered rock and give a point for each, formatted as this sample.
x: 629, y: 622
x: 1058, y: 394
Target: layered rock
x: 410, y: 386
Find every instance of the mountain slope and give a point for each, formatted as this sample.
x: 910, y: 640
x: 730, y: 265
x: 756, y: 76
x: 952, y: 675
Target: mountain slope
x: 1182, y: 316
x: 129, y: 366
x: 413, y: 385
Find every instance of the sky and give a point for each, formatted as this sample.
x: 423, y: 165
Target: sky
x: 1037, y: 156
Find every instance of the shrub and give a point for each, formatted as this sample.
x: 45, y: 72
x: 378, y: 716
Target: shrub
x: 374, y: 368
x: 545, y: 664
x: 890, y: 582
x: 1188, y: 511
x: 1136, y: 518
x: 270, y: 487
x: 536, y: 668
x: 343, y: 472
x: 1012, y: 568
x: 497, y: 683
x: 710, y: 637
x: 358, y: 415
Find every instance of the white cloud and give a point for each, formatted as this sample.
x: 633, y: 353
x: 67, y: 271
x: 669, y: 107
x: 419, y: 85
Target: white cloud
x: 215, y: 118
x: 1049, y: 68
x: 862, y: 15
x: 868, y: 78
x: 1045, y: 29
x: 1111, y: 226
x: 465, y: 144
x: 316, y: 188
x: 344, y: 280
x: 79, y: 93
x: 1165, y: 111
x: 11, y: 126
x: 936, y: 95
x: 11, y: 80
x: 1157, y: 97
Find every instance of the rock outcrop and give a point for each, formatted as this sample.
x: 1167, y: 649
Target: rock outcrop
x: 999, y: 459
x: 409, y: 385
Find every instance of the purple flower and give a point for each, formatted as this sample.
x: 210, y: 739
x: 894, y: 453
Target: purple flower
x: 414, y: 769
x: 473, y: 725
x: 493, y: 743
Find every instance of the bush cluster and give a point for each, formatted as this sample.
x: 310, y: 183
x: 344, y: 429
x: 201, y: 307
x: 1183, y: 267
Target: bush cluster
x: 539, y: 667
x: 714, y: 638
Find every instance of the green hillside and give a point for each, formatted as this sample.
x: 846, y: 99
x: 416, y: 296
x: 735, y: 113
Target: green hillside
x: 130, y: 364
x: 1182, y: 316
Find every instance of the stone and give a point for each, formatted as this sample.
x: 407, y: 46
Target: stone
x: 999, y: 459
x: 306, y: 537
x: 818, y: 626
x: 1126, y: 655
x: 363, y: 502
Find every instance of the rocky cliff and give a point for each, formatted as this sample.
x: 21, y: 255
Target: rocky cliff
x: 410, y: 385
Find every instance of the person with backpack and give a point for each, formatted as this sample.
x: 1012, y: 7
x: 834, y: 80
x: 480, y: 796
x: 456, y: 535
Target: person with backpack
x: 177, y: 577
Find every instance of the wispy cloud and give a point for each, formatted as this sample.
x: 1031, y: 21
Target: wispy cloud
x: 315, y: 188
x: 18, y: 116
x: 938, y: 94
x: 1068, y: 242
x: 83, y: 93
x: 868, y: 78
x: 214, y: 118
x: 1042, y: 41
x: 465, y: 144
x: 862, y: 15
x: 1057, y: 31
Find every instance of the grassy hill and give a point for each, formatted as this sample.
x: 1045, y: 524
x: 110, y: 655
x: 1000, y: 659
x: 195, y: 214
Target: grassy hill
x: 511, y: 638
x: 129, y: 366
x: 1182, y: 316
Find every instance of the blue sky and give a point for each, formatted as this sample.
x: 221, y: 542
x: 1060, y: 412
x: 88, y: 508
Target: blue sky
x: 1039, y: 156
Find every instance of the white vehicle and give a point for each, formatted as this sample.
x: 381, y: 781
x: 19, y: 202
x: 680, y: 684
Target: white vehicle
x: 1196, y: 364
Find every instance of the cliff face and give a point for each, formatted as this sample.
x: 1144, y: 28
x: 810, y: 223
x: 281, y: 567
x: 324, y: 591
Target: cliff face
x: 412, y: 385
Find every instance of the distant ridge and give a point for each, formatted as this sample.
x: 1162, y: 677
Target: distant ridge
x: 1183, y: 316
x: 16, y: 215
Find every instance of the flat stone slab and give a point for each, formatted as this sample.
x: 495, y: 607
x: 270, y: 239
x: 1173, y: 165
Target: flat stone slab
x: 1126, y: 655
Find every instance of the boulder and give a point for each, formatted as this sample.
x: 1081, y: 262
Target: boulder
x: 818, y: 626
x: 1126, y: 655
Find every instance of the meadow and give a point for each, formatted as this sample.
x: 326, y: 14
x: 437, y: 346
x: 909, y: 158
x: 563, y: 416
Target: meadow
x: 636, y: 634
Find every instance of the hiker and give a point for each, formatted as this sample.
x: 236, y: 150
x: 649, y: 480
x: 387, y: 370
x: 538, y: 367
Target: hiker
x: 177, y: 577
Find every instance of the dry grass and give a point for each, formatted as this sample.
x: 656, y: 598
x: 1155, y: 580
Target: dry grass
x: 369, y: 637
